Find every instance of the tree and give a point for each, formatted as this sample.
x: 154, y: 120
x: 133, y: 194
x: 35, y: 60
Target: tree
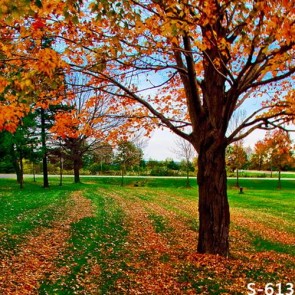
x: 236, y: 158
x: 127, y: 155
x: 185, y: 151
x: 102, y: 156
x: 186, y: 65
x: 209, y: 57
x: 278, y: 148
x: 20, y: 145
x: 84, y: 124
x: 258, y: 158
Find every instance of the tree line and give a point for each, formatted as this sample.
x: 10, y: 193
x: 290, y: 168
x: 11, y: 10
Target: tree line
x: 24, y: 152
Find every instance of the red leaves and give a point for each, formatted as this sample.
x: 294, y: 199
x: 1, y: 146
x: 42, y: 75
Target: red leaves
x: 38, y: 24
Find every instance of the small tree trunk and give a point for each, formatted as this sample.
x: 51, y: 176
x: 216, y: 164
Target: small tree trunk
x: 44, y: 149
x: 34, y: 172
x: 279, y: 180
x: 21, y: 172
x: 15, y: 163
x: 214, y: 216
x: 77, y: 170
x: 237, y: 183
x: 45, y: 171
x: 122, y: 174
x: 60, y: 170
x: 187, y: 175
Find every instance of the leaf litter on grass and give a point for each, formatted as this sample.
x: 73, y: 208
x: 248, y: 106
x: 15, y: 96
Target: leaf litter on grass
x: 242, y: 218
x: 159, y: 255
x: 166, y: 262
x: 21, y: 274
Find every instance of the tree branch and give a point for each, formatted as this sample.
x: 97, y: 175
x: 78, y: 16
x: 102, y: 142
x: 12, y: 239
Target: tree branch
x: 143, y: 102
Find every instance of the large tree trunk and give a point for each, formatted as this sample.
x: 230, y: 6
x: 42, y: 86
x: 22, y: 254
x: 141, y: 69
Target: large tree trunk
x: 214, y: 214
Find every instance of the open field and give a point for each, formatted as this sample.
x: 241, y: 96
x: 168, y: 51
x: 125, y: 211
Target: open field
x: 100, y: 238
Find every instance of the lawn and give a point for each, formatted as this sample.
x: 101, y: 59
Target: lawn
x: 100, y: 238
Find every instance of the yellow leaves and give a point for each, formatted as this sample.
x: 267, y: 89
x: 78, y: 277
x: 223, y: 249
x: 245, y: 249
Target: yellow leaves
x: 201, y: 44
x: 3, y: 9
x: 3, y: 84
x: 217, y: 62
x: 48, y: 61
x: 10, y: 115
x: 13, y: 9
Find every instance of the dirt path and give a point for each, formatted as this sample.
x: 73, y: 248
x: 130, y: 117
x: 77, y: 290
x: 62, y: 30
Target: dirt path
x: 22, y: 273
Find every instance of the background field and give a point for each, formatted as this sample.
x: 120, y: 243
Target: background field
x: 100, y: 238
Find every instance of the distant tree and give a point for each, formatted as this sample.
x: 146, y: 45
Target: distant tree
x: 21, y: 144
x: 6, y: 165
x: 171, y: 165
x: 184, y: 150
x: 101, y: 156
x: 259, y: 156
x: 127, y: 155
x: 279, y: 150
x: 151, y: 164
x: 236, y: 158
x: 85, y: 124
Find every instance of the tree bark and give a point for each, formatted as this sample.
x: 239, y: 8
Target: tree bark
x: 21, y: 166
x: 15, y: 163
x: 77, y: 170
x: 187, y: 175
x: 44, y: 149
x: 214, y: 216
x: 279, y: 179
x: 34, y: 172
x: 60, y: 170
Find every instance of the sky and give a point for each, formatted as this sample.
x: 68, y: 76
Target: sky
x: 162, y: 143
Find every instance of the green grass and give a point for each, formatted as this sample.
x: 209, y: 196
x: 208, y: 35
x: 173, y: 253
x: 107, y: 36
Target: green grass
x: 94, y: 241
x: 22, y: 211
x: 266, y: 245
x: 263, y: 196
x: 262, y: 174
x: 159, y: 223
x: 101, y: 240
